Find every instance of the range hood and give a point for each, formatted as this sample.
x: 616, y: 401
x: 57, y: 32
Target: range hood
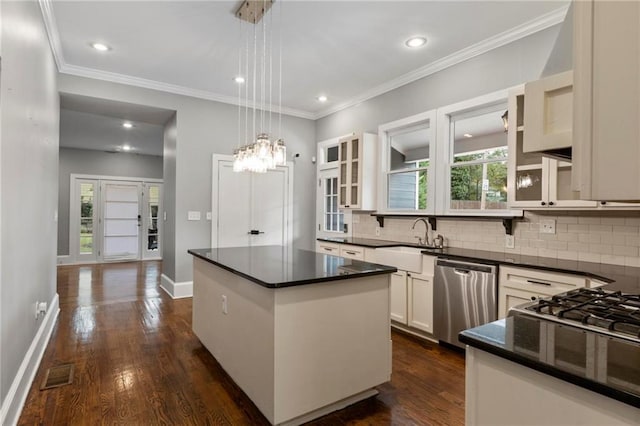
x: 560, y: 60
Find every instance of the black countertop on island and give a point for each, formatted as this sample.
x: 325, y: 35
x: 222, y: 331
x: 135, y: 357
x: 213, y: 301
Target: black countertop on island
x: 281, y: 266
x: 623, y: 278
x: 606, y: 365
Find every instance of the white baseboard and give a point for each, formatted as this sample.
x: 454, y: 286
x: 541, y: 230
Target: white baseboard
x: 64, y: 259
x: 17, y: 395
x: 174, y: 289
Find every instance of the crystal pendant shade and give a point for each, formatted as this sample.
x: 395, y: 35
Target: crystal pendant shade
x: 260, y: 156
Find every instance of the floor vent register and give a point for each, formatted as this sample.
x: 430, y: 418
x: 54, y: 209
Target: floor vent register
x: 58, y: 376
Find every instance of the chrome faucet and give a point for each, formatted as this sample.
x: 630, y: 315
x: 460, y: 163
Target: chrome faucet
x: 427, y: 227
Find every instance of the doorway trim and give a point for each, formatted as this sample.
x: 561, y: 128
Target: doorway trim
x: 216, y: 159
x: 72, y: 257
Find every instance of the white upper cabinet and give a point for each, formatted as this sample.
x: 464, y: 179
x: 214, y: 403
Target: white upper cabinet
x: 357, y: 177
x: 536, y: 181
x: 606, y: 137
x: 548, y: 112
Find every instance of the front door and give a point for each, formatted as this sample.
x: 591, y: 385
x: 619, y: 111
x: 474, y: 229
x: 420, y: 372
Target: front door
x: 122, y: 220
x: 114, y: 219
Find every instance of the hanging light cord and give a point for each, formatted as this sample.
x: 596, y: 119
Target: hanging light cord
x: 280, y: 76
x: 270, y: 71
x: 239, y: 85
x: 255, y: 57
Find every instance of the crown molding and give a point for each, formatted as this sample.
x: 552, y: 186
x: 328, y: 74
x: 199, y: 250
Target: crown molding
x: 528, y: 28
x: 52, y: 32
x: 516, y: 33
x: 175, y: 89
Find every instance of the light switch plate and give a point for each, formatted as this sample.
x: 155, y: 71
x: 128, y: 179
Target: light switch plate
x: 193, y: 215
x: 209, y: 216
x: 548, y: 226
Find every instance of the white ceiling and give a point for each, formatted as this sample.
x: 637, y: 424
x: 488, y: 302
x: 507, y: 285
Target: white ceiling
x: 90, y: 123
x: 348, y: 50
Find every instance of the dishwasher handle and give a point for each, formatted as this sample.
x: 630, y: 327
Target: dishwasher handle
x: 466, y: 267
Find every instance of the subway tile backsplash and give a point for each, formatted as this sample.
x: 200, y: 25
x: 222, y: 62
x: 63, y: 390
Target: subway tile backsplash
x: 603, y: 237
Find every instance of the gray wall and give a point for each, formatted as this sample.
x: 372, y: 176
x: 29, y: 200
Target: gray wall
x: 92, y: 162
x: 29, y: 182
x: 204, y: 128
x: 507, y: 66
x: 169, y: 198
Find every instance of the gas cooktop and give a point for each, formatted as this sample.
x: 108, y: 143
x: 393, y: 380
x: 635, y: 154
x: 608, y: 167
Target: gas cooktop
x: 609, y: 312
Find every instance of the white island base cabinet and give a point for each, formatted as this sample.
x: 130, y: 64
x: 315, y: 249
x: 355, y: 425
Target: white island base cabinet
x: 502, y: 392
x: 297, y: 352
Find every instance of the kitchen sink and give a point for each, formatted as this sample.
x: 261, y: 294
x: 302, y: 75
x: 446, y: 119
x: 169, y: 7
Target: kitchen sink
x: 404, y: 258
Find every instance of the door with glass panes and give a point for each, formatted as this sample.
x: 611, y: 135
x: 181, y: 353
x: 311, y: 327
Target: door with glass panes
x: 115, y: 220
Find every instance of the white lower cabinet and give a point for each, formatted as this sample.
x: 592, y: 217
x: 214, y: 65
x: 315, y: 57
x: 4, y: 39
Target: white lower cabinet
x: 420, y: 299
x: 520, y: 285
x: 352, y: 252
x: 399, y: 297
x: 328, y: 248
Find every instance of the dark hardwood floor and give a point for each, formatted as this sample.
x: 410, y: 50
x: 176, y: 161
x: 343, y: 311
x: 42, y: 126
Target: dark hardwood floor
x: 138, y: 363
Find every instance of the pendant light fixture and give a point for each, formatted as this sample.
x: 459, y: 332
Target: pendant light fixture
x: 260, y: 154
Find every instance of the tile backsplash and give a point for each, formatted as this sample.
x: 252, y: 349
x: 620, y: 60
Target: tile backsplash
x: 603, y: 237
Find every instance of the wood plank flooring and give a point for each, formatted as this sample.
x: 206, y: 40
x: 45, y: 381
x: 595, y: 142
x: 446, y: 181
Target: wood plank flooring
x: 138, y: 363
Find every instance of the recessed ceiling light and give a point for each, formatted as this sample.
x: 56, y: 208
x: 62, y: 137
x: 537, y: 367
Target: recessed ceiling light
x: 322, y: 98
x: 239, y: 79
x: 468, y: 135
x: 126, y: 147
x: 416, y: 42
x: 100, y: 46
x: 127, y: 125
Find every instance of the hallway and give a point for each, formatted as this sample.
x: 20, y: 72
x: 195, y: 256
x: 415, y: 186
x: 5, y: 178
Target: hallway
x: 138, y: 362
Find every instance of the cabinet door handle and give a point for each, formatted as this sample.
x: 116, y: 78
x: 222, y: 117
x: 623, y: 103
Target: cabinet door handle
x: 353, y: 253
x: 327, y: 248
x: 551, y: 203
x: 539, y: 282
x: 543, y: 203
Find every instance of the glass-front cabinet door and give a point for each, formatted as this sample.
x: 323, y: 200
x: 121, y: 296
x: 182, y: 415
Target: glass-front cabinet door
x: 350, y: 172
x: 528, y: 177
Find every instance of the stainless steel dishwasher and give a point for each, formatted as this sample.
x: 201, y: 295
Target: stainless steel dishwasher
x: 465, y: 295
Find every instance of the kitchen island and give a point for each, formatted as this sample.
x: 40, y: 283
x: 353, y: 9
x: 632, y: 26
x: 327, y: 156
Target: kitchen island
x: 525, y: 370
x: 302, y: 333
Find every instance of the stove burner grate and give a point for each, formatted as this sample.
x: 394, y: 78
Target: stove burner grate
x: 614, y: 311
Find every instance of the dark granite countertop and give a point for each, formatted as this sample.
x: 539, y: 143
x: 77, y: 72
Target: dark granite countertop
x: 368, y: 242
x: 623, y: 278
x: 278, y: 266
x: 606, y: 365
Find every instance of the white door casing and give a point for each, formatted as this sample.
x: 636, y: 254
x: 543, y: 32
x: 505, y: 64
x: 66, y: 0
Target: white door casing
x: 242, y: 202
x: 113, y: 234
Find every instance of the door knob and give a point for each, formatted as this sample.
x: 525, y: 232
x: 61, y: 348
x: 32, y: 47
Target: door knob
x: 255, y: 232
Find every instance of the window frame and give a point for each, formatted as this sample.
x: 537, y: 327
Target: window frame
x: 445, y: 161
x: 385, y: 132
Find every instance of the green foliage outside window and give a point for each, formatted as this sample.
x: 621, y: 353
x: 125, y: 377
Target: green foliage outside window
x: 466, y: 180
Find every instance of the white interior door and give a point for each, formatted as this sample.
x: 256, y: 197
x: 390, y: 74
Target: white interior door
x: 231, y: 206
x: 269, y: 203
x: 122, y: 219
x: 245, y: 202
